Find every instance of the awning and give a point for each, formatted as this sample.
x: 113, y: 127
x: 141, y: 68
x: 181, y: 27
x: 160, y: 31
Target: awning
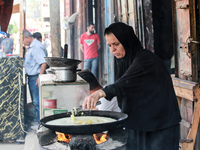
x: 6, y: 7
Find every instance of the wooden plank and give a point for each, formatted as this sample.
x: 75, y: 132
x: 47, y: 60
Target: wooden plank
x: 123, y: 7
x: 193, y: 131
x: 183, y: 32
x: 186, y: 140
x: 22, y: 27
x: 119, y: 10
x: 179, y: 102
x: 194, y: 29
x: 187, y: 112
x: 185, y: 123
x: 131, y: 6
x: 184, y: 93
x: 190, y: 91
x: 55, y: 27
x: 16, y: 9
x: 132, y: 15
x: 184, y: 88
x: 194, y: 90
x: 184, y: 83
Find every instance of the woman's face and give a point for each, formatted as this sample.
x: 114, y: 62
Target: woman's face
x: 115, y: 46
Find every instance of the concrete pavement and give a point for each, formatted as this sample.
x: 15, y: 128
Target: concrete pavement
x: 11, y: 146
x: 31, y: 141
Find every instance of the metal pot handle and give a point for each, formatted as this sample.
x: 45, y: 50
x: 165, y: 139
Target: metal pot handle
x: 50, y: 71
x: 78, y: 70
x: 40, y: 126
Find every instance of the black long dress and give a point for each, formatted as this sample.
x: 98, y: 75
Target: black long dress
x: 144, y: 90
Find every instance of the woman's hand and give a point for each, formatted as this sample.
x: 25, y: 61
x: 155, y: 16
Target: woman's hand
x: 90, y: 101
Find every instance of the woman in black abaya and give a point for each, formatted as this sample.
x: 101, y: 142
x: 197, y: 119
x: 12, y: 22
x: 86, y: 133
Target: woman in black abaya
x: 144, y: 91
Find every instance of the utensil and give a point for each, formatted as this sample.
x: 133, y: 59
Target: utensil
x: 86, y: 129
x: 75, y: 110
x: 62, y: 62
x: 65, y: 52
x: 64, y: 69
x: 63, y: 74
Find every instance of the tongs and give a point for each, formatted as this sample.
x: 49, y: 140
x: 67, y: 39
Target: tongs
x: 76, y: 110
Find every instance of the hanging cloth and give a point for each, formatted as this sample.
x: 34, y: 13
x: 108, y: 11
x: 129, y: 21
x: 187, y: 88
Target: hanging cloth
x: 6, y: 7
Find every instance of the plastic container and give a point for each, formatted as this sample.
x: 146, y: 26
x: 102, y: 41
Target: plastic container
x: 8, y: 55
x: 48, y: 112
x: 49, y: 103
x: 47, y: 94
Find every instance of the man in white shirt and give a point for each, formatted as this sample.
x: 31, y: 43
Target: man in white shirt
x: 94, y: 86
x: 34, y: 64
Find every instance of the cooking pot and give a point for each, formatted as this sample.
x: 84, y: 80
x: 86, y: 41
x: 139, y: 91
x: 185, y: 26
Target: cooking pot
x: 63, y: 74
x: 86, y: 129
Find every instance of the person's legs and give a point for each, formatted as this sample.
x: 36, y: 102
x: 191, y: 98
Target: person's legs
x: 34, y: 92
x: 94, y: 67
x: 87, y: 64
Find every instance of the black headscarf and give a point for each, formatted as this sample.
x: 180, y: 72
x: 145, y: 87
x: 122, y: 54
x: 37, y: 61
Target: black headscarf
x: 144, y: 87
x: 128, y: 39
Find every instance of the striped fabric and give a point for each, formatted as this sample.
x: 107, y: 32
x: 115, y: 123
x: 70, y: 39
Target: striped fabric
x: 9, y: 99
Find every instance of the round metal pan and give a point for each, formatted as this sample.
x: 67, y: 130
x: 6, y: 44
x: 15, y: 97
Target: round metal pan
x: 86, y: 129
x: 62, y: 62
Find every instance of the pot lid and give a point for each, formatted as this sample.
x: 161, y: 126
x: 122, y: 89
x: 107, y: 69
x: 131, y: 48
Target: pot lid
x: 64, y: 68
x: 62, y: 62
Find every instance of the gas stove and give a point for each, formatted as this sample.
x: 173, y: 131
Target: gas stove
x: 115, y: 140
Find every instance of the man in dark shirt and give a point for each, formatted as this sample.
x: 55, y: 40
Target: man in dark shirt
x: 7, y: 45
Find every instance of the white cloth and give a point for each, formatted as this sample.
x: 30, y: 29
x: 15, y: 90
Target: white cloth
x: 109, y: 105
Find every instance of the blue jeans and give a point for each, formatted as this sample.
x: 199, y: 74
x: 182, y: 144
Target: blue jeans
x: 34, y: 92
x: 92, y: 65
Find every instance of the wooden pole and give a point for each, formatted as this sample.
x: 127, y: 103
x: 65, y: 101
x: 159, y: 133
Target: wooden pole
x: 42, y: 20
x: 55, y: 28
x: 22, y: 26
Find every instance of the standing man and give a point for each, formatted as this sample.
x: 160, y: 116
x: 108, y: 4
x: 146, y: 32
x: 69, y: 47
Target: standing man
x: 90, y: 44
x: 35, y: 64
x: 2, y: 37
x: 7, y: 45
x: 38, y: 36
